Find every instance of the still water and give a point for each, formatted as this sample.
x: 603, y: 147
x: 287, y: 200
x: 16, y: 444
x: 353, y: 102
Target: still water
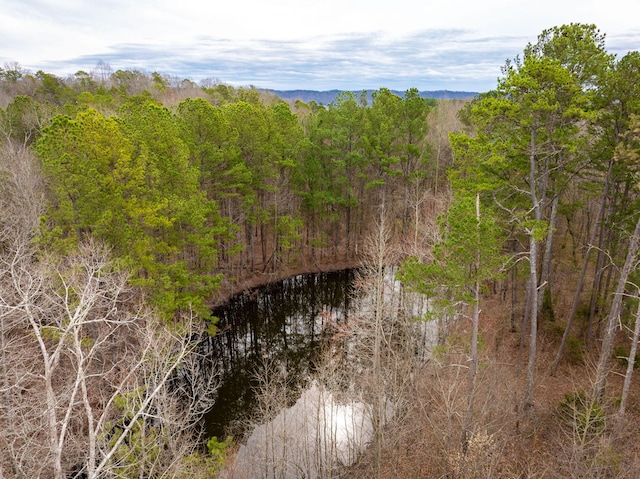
x: 281, y: 322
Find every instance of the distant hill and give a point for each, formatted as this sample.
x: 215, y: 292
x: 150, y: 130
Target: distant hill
x: 326, y: 97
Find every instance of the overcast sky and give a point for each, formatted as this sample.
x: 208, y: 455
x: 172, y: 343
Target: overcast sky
x: 307, y: 44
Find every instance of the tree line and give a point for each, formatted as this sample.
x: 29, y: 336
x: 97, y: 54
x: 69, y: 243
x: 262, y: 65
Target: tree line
x: 224, y: 183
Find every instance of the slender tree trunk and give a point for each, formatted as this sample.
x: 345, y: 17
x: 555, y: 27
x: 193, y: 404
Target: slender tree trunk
x: 533, y: 275
x: 614, y: 317
x: 605, y: 287
x: 601, y: 290
x: 416, y: 229
x: 514, y: 287
x: 378, y: 416
x: 90, y: 419
x: 583, y: 272
x: 630, y: 365
x: 53, y: 429
x: 275, y: 248
x: 597, y: 282
x: 524, y: 321
x: 4, y: 372
x: 348, y: 232
x: 533, y: 321
x: 473, y: 367
x: 49, y: 362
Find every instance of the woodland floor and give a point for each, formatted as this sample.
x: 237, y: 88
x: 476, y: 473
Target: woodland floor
x: 512, y: 444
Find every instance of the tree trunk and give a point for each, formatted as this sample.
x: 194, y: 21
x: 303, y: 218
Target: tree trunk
x: 379, y: 406
x: 614, y: 317
x: 597, y: 282
x: 473, y: 367
x: 514, y: 287
x: 630, y: 365
x: 533, y: 274
x: 533, y: 321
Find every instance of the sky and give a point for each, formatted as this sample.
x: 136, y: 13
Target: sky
x: 456, y: 45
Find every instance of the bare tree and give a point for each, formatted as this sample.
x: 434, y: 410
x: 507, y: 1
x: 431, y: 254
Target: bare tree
x: 102, y: 370
x: 21, y: 205
x: 102, y: 73
x: 21, y: 194
x: 382, y: 339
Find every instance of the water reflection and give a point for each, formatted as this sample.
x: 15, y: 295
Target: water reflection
x: 281, y: 321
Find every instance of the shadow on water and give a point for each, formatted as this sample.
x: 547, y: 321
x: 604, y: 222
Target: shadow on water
x: 282, y: 322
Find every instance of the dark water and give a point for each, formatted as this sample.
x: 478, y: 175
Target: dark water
x: 282, y: 322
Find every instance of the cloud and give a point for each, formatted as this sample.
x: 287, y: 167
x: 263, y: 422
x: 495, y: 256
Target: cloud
x: 621, y: 43
x: 430, y: 59
x: 459, y: 44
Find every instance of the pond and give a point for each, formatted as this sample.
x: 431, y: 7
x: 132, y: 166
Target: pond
x: 280, y: 322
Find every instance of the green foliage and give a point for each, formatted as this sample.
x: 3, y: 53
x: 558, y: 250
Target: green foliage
x: 419, y: 276
x: 381, y: 133
x: 11, y: 73
x: 218, y: 450
x: 89, y: 164
x: 575, y: 350
x: 472, y: 175
x: 207, y: 465
x: 50, y: 333
x: 53, y: 89
x: 211, y: 140
x: 100, y: 100
x: 579, y: 48
x: 23, y: 119
x: 537, y: 101
x: 462, y: 342
x: 167, y: 178
x: 139, y: 453
x: 583, y: 414
x: 250, y: 123
x: 144, y: 444
x: 288, y: 231
x: 468, y: 254
x: 128, y: 181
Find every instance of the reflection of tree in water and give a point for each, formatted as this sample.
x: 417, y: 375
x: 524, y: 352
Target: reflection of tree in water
x: 283, y: 321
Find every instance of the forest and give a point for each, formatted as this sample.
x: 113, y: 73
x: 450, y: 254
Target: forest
x: 133, y: 202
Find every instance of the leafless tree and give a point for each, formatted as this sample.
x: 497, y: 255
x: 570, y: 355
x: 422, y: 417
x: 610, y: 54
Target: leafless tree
x: 381, y: 338
x: 102, y: 73
x: 92, y: 383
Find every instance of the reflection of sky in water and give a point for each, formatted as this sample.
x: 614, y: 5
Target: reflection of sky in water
x: 316, y: 435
